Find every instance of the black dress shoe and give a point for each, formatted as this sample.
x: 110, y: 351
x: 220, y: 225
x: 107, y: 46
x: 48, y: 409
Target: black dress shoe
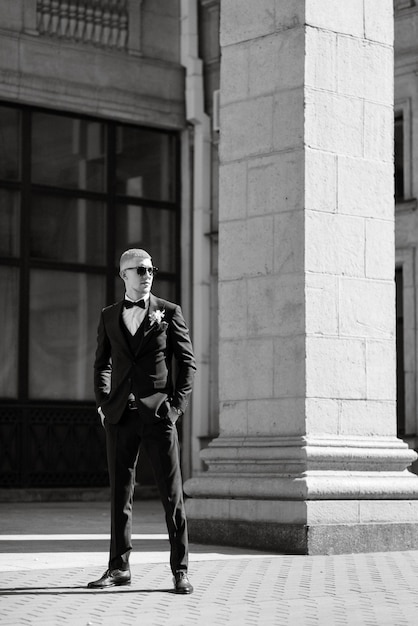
x: 182, y: 583
x: 111, y: 578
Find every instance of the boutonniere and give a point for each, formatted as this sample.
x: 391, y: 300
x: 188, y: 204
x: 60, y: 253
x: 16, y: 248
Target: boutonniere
x: 156, y: 319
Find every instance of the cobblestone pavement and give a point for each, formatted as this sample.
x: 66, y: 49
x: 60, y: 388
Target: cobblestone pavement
x: 48, y: 553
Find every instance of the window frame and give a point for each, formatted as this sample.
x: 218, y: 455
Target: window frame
x: 111, y: 200
x: 403, y: 107
x: 405, y: 261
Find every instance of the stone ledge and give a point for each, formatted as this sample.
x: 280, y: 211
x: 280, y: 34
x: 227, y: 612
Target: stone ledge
x: 303, y: 539
x: 72, y: 494
x: 56, y: 494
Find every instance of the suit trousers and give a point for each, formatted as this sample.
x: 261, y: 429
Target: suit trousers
x: 123, y: 443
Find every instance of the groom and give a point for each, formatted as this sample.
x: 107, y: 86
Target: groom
x: 139, y: 402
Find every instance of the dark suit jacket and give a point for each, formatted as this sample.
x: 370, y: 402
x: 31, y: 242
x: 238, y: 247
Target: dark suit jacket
x: 148, y: 372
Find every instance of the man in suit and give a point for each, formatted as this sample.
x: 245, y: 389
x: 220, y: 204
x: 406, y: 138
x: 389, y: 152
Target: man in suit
x: 139, y: 403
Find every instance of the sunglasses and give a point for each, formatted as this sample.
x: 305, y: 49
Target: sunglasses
x: 141, y: 270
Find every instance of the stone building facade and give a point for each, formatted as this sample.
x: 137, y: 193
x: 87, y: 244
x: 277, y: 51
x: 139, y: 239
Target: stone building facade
x: 406, y: 170
x: 106, y: 144
x: 109, y: 115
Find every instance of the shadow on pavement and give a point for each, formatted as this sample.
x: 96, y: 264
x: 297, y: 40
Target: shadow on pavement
x: 78, y: 589
x: 45, y: 546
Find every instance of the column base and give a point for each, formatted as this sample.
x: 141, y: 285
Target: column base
x: 305, y: 495
x: 305, y: 527
x: 303, y: 539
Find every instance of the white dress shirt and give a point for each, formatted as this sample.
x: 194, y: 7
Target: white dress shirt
x: 134, y: 316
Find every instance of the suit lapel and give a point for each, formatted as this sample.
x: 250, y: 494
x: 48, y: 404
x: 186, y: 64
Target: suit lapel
x: 154, y: 305
x: 117, y: 322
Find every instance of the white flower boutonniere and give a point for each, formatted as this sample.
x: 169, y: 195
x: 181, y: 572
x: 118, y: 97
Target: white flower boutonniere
x: 156, y: 318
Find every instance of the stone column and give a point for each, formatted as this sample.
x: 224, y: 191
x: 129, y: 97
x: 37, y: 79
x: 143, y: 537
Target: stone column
x: 307, y: 459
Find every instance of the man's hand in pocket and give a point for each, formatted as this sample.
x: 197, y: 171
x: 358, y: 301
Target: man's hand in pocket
x: 102, y: 415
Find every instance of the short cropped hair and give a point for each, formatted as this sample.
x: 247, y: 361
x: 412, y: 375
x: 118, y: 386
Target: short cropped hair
x: 132, y: 255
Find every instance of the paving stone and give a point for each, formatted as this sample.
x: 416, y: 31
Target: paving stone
x: 232, y: 586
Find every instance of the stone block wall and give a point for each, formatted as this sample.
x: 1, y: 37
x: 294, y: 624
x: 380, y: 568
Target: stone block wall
x: 349, y: 253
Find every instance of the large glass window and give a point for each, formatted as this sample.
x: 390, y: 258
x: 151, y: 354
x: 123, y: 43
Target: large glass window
x: 68, y: 152
x: 64, y: 309
x: 145, y: 165
x: 74, y: 193
x: 150, y: 228
x: 9, y: 222
x: 10, y: 120
x: 9, y: 319
x: 400, y: 357
x: 68, y: 229
x: 399, y: 157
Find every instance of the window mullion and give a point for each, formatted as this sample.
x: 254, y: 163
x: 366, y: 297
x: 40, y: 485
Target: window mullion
x: 111, y: 211
x: 23, y: 376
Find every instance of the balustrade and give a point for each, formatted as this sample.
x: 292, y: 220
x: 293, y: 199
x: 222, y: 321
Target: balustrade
x: 99, y: 22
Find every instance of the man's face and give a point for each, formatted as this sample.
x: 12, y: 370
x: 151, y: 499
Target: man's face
x: 137, y: 286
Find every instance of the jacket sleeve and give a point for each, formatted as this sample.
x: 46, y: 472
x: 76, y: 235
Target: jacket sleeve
x: 102, y: 364
x: 182, y: 349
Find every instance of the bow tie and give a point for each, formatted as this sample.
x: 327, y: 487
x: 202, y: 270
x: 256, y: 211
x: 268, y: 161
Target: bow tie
x: 128, y: 304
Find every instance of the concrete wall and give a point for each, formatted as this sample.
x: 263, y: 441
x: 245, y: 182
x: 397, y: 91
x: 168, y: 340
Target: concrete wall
x: 142, y: 83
